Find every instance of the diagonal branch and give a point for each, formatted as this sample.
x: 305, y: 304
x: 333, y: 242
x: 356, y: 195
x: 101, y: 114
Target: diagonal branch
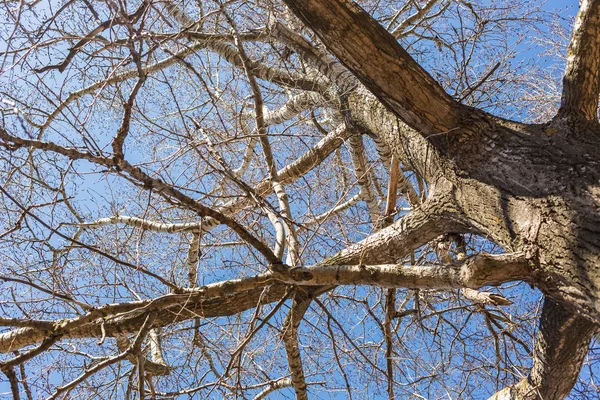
x: 134, y: 348
x: 413, y: 18
x: 372, y: 54
x: 261, y: 127
x: 290, y: 173
x: 13, y: 381
x: 581, y: 82
x: 276, y: 385
x: 423, y: 224
x: 213, y: 43
x: 110, y: 23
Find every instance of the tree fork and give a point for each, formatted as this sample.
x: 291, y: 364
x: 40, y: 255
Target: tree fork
x: 533, y: 188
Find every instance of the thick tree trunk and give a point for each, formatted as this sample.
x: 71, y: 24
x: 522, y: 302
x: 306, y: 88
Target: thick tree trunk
x: 530, y: 188
x: 536, y: 189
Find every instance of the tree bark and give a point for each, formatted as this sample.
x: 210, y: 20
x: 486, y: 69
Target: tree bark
x: 531, y: 188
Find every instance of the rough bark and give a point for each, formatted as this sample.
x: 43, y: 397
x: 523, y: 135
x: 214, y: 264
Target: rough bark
x: 289, y: 336
x: 365, y: 51
x: 532, y: 188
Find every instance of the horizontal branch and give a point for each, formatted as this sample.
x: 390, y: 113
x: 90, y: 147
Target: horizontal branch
x: 481, y: 270
x: 236, y: 295
x: 142, y: 223
x: 293, y: 107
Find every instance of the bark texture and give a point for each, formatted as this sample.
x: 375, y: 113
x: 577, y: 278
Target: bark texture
x: 532, y: 188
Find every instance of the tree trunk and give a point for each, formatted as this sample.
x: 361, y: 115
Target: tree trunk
x: 529, y: 188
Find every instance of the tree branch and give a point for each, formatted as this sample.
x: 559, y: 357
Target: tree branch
x: 478, y: 271
x: 581, y: 82
x: 423, y: 224
x: 152, y: 367
x: 275, y: 385
x: 290, y: 173
x: 361, y: 171
x: 372, y: 54
x: 143, y: 223
x: 236, y: 295
x: 289, y: 335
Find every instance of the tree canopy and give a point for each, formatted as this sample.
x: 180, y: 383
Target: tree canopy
x: 299, y: 198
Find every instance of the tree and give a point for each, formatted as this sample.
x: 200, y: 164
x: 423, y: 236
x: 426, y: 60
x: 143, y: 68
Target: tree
x: 234, y: 198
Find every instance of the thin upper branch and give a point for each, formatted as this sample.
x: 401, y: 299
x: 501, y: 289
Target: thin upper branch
x: 581, y: 82
x: 145, y: 180
x: 143, y: 223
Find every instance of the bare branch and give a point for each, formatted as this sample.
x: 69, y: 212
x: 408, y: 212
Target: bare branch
x: 276, y: 385
x: 133, y: 348
x: 478, y: 271
x: 153, y: 367
x: 293, y: 171
x: 13, y: 381
x: 148, y: 182
x: 300, y: 305
x: 581, y: 82
x: 410, y: 20
x: 423, y: 224
x: 142, y: 223
x: 479, y: 297
x: 362, y: 173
